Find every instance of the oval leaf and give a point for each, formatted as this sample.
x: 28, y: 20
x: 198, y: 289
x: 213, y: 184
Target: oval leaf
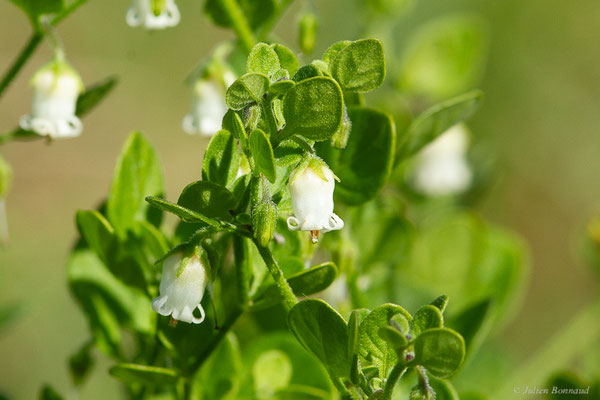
x: 248, y: 88
x: 185, y: 214
x: 439, y: 350
x: 208, y: 199
x: 322, y: 331
x: 263, y: 154
x: 436, y: 120
x: 360, y: 66
x: 263, y: 60
x: 221, y: 159
x: 371, y: 346
x: 426, y: 317
x: 314, y: 108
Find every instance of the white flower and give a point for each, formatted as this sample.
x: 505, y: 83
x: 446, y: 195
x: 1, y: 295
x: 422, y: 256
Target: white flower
x: 208, y: 108
x: 180, y: 295
x: 442, y: 167
x: 153, y: 14
x: 56, y: 87
x: 311, y: 189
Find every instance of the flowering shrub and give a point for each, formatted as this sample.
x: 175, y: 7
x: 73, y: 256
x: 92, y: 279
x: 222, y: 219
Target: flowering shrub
x: 319, y: 220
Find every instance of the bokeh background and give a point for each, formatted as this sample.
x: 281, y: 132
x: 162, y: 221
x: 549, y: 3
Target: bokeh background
x: 541, y: 118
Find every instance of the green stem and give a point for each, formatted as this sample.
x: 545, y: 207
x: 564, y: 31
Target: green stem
x: 576, y: 337
x: 20, y: 61
x: 242, y: 267
x: 239, y: 22
x: 289, y: 298
x: 392, y: 380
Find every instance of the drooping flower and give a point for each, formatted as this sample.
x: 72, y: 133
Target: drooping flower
x: 56, y: 87
x: 442, y: 168
x: 311, y: 187
x: 182, y: 286
x: 153, y: 14
x: 208, y: 105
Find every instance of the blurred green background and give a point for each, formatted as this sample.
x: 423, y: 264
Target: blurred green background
x: 541, y: 119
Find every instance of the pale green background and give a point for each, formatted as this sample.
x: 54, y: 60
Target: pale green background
x: 541, y: 115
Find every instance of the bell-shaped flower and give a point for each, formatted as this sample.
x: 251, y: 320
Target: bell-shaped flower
x: 153, y: 14
x: 441, y: 167
x: 56, y: 87
x: 208, y: 105
x: 182, y: 286
x: 311, y: 188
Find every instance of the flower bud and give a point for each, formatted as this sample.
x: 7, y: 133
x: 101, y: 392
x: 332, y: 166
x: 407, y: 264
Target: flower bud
x: 442, y: 167
x: 56, y: 87
x: 339, y: 140
x: 153, y: 14
x: 208, y: 108
x: 264, y: 220
x: 311, y: 188
x: 182, y: 284
x: 308, y: 32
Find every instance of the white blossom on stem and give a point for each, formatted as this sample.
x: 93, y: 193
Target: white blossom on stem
x: 153, y: 14
x: 56, y: 87
x: 181, y: 288
x: 442, y: 167
x: 311, y: 188
x: 208, y: 105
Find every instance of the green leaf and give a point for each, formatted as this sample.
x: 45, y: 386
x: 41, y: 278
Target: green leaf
x: 221, y: 159
x: 208, y: 199
x: 233, y: 123
x: 333, y: 50
x: 281, y: 87
x: 97, y: 232
x: 445, y: 57
x: 440, y: 302
x: 436, y: 120
x: 106, y: 301
x: 322, y: 331
x: 263, y: 60
x: 185, y: 214
x: 48, y: 393
x: 443, y: 389
x: 371, y: 346
x: 148, y: 375
x: 247, y: 89
x: 261, y: 149
x: 439, y: 350
x: 287, y: 58
x: 93, y: 95
x: 256, y: 12
x: 360, y: 66
x: 306, y: 72
x: 81, y: 364
x: 366, y: 163
x: 35, y: 8
x: 307, y: 36
x: 313, y: 108
x: 271, y: 371
x: 220, y: 374
x: 305, y: 283
x: 426, y: 317
x: 393, y: 337
x: 138, y: 174
x: 473, y: 323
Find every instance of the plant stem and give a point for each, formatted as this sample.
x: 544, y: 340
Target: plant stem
x: 392, y: 379
x: 20, y: 61
x: 239, y: 22
x: 267, y: 109
x: 576, y: 336
x: 242, y: 267
x: 286, y: 292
